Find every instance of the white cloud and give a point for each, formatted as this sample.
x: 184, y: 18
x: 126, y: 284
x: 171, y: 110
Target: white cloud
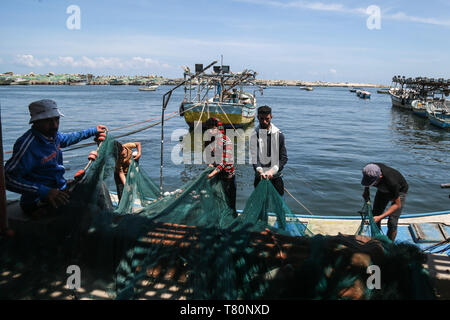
x: 333, y: 71
x: 401, y: 16
x: 317, y: 6
x: 93, y: 63
x: 27, y: 60
x: 336, y: 7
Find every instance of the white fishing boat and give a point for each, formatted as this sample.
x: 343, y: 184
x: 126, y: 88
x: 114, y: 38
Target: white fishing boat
x: 149, y: 88
x: 419, y: 108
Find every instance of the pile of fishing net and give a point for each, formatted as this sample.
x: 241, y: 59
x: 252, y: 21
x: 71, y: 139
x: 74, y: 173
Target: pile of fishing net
x: 188, y: 244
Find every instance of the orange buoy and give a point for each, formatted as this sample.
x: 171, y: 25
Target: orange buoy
x: 93, y: 155
x: 79, y: 174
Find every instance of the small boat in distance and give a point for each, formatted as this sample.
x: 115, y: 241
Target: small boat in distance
x: 4, y: 81
x: 383, y: 91
x: 149, y: 88
x: 363, y: 94
x: 21, y: 81
x: 354, y: 89
x: 306, y: 88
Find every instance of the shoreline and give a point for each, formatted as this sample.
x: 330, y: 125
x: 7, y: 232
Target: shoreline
x: 9, y: 78
x: 268, y: 83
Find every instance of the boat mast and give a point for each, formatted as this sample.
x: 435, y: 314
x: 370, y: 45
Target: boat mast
x: 166, y: 98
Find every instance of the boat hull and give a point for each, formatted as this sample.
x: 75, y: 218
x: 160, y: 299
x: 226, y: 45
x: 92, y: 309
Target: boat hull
x: 401, y: 102
x: 439, y: 120
x: 419, y: 108
x: 236, y: 115
x: 149, y: 88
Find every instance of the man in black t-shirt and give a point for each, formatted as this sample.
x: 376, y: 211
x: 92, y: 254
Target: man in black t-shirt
x: 391, y: 186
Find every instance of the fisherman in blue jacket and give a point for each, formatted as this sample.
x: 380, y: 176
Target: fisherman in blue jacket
x: 36, y: 169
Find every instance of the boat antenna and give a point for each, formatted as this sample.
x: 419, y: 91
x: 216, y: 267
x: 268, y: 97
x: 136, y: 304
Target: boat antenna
x: 166, y: 98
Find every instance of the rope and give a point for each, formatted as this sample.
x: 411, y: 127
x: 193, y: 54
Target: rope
x: 133, y: 124
x: 200, y: 118
x: 79, y: 146
x: 298, y: 201
x: 131, y: 132
x: 229, y: 120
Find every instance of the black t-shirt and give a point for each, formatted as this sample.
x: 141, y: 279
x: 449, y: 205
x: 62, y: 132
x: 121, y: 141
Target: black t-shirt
x: 392, y: 182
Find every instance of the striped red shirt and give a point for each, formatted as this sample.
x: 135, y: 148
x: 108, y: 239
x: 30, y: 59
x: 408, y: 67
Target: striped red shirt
x: 222, y: 142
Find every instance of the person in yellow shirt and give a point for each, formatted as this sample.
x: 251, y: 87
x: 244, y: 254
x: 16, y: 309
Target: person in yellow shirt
x: 125, y: 152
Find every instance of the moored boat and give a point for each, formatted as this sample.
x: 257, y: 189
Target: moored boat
x: 419, y: 108
x: 363, y: 94
x: 149, y: 88
x: 4, y: 81
x: 220, y: 94
x: 21, y: 81
x: 438, y: 113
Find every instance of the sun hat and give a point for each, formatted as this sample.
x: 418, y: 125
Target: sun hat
x: 43, y: 109
x: 371, y: 173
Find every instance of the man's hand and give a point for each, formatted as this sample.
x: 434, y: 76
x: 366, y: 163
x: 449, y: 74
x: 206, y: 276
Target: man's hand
x: 213, y: 173
x: 377, y: 219
x: 269, y: 174
x: 137, y: 156
x: 57, y: 197
x: 101, y: 128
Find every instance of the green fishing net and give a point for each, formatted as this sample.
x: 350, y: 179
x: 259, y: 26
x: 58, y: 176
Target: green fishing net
x: 188, y: 244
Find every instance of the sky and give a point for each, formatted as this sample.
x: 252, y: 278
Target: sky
x: 336, y: 41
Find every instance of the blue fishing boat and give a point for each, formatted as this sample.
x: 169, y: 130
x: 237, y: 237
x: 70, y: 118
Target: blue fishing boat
x: 438, y: 113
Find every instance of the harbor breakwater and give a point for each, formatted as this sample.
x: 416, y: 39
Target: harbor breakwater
x: 80, y: 79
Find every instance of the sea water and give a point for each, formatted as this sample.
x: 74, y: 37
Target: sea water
x: 330, y: 135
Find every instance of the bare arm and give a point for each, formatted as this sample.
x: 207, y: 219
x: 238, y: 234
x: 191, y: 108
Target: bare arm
x: 138, y: 147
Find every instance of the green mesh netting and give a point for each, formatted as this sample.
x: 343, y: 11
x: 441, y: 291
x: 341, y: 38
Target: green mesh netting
x: 368, y: 225
x: 188, y: 245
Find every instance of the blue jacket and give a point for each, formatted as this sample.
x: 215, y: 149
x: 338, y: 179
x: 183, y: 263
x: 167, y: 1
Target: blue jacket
x: 36, y: 165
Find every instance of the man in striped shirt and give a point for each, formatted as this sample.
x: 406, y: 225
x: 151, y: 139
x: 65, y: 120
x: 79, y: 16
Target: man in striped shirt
x: 222, y: 159
x: 36, y: 168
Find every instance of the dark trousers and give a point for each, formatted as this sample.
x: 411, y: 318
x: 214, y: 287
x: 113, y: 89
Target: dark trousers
x: 277, y: 183
x: 119, y: 185
x: 379, y: 205
x: 229, y: 186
